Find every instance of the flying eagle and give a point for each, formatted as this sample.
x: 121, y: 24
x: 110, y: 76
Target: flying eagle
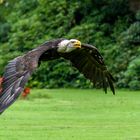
x: 86, y: 58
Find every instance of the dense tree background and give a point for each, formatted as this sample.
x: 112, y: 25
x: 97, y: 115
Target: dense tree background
x: 107, y: 24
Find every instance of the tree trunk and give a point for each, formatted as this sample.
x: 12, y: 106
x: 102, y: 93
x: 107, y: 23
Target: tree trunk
x: 134, y: 5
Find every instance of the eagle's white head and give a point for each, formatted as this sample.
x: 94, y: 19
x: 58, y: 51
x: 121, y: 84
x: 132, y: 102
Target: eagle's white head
x: 66, y: 46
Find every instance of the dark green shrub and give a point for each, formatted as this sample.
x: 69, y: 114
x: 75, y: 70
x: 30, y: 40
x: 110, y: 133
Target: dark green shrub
x: 107, y: 24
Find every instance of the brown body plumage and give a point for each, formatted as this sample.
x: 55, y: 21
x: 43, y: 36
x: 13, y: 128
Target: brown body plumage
x: 86, y: 59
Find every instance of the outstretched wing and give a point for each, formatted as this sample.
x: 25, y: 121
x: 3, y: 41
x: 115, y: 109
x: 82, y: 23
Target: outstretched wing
x: 89, y: 61
x: 18, y: 71
x: 14, y: 79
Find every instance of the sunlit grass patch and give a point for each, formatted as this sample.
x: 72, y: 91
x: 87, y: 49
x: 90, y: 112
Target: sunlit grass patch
x: 70, y: 114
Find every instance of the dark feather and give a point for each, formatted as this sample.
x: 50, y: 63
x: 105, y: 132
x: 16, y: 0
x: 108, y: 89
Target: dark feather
x: 18, y: 71
x: 89, y: 61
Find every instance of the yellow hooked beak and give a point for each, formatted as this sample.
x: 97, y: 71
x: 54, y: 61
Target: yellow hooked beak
x: 77, y: 44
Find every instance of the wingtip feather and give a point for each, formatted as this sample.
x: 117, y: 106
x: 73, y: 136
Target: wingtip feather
x: 111, y: 85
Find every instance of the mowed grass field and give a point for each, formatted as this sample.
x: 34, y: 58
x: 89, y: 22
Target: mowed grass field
x: 71, y: 114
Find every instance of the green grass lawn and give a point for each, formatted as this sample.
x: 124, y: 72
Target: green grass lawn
x: 70, y: 114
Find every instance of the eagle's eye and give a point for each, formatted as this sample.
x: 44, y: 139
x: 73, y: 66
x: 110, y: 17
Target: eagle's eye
x: 73, y: 41
x: 76, y: 43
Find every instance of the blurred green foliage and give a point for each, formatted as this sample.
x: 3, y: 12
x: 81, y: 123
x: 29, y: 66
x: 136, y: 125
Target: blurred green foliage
x: 107, y: 24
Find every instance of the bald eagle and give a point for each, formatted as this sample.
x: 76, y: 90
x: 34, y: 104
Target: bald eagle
x: 86, y: 58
